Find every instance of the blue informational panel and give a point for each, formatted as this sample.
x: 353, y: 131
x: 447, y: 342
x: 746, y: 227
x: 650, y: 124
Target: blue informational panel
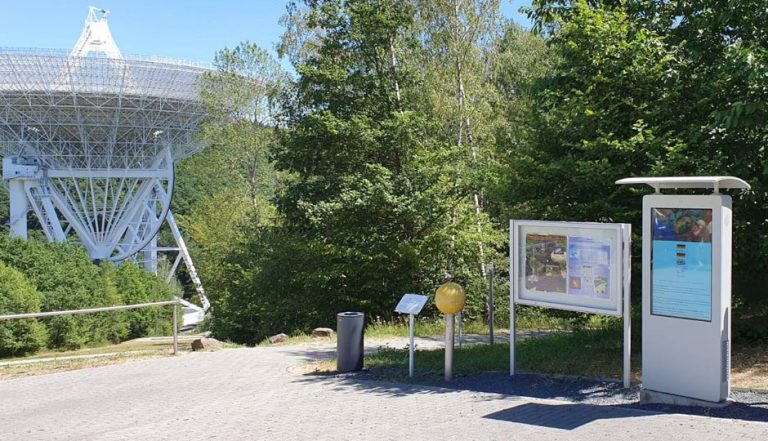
x: 681, y: 263
x: 589, y: 267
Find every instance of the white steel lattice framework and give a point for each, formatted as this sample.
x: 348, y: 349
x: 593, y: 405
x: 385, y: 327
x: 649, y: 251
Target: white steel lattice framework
x: 89, y: 139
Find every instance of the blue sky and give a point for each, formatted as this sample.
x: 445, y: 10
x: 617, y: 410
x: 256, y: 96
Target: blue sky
x: 186, y: 29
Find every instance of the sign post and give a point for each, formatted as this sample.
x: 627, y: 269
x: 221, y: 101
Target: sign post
x: 687, y: 290
x: 411, y: 304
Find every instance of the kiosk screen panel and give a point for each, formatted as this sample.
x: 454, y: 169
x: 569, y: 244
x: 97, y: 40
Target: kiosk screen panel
x: 681, y: 263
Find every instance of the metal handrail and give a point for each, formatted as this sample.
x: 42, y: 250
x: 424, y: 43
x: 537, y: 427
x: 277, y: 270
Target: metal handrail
x: 103, y: 309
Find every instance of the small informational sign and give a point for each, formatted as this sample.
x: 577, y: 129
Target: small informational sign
x: 681, y: 263
x: 411, y: 304
x: 569, y: 265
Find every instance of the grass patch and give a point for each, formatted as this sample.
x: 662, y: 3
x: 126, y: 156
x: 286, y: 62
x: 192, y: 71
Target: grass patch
x: 297, y: 339
x: 435, y: 326
x: 381, y: 330
x: 589, y: 353
x: 425, y: 327
x: 592, y: 353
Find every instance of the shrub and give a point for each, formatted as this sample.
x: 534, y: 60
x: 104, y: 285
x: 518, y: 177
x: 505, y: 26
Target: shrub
x: 67, y: 279
x: 113, y: 323
x: 138, y: 286
x: 18, y: 295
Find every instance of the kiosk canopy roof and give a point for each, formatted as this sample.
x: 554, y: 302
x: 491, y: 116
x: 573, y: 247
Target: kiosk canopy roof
x: 714, y: 182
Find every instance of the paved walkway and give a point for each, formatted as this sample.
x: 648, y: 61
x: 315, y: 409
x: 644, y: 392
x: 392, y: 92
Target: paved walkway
x: 254, y: 394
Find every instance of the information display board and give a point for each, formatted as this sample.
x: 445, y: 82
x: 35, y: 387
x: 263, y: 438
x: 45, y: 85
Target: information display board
x: 569, y: 265
x: 681, y: 263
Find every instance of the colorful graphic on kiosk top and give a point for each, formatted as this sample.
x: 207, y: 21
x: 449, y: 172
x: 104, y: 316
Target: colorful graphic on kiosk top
x: 572, y: 265
x: 681, y: 263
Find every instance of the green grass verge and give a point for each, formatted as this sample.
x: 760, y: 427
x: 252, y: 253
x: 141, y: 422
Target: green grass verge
x: 589, y: 353
x: 423, y: 328
x: 532, y: 319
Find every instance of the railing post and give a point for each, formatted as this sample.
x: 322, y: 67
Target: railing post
x: 175, y: 303
x: 175, y: 329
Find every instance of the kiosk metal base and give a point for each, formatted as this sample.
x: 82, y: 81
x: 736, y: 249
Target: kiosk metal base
x: 648, y: 396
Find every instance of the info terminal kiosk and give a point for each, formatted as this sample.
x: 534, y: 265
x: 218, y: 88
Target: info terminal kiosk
x: 687, y: 289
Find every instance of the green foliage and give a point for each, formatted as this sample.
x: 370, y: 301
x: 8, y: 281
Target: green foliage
x: 226, y: 190
x: 416, y: 129
x: 18, y: 295
x: 4, y: 204
x: 377, y: 164
x: 137, y: 286
x: 66, y: 279
x: 650, y: 89
x: 114, y: 323
x: 374, y: 206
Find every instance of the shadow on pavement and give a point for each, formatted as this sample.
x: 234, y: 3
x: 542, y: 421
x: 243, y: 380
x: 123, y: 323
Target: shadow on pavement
x: 591, y: 399
x: 754, y: 408
x: 561, y: 416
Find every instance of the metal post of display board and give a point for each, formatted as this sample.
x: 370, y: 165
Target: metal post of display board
x: 490, y: 301
x: 512, y: 327
x: 584, y: 246
x: 626, y: 232
x: 512, y: 331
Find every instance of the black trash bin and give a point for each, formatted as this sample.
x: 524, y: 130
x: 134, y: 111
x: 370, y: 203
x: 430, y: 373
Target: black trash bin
x: 349, y: 341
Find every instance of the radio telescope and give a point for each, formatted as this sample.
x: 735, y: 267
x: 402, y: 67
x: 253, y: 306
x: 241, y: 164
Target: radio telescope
x: 89, y: 138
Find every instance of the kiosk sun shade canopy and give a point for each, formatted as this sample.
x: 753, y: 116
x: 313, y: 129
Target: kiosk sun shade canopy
x: 715, y: 182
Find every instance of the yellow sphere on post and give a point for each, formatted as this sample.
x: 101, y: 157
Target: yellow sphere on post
x: 450, y: 298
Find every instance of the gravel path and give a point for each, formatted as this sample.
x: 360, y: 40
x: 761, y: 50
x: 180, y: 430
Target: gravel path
x: 254, y: 394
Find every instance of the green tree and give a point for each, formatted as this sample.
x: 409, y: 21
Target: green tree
x: 456, y: 59
x: 368, y: 204
x: 135, y: 286
x: 602, y: 113
x: 67, y: 279
x: 649, y: 88
x: 17, y: 296
x: 227, y: 188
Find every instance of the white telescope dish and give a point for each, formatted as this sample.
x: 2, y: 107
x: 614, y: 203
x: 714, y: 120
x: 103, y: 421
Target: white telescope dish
x: 89, y: 138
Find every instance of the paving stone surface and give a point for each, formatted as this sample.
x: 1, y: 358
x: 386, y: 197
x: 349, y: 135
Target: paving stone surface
x: 256, y: 394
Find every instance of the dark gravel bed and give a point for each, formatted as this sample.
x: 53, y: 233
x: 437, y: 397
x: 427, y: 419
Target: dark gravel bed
x: 747, y: 405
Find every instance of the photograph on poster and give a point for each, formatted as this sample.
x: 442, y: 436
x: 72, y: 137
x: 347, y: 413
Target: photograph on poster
x: 681, y: 263
x: 684, y: 225
x: 545, y: 263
